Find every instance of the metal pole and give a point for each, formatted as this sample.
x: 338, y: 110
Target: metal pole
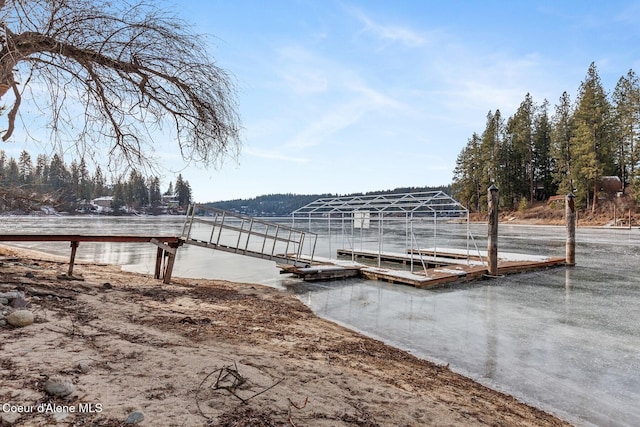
x: 353, y: 236
x: 468, y: 236
x: 411, y: 233
x: 379, y: 239
x: 492, y: 243
x: 329, y: 223
x: 435, y: 234
x: 570, y: 216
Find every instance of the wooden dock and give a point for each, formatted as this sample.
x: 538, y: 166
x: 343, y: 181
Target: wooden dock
x: 448, y: 267
x: 167, y: 246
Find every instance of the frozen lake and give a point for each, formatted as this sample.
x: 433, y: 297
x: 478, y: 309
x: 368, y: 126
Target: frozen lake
x: 566, y: 340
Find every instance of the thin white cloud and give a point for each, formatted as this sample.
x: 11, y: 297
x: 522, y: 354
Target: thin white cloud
x: 273, y: 155
x: 337, y: 117
x: 391, y: 33
x: 330, y: 96
x: 307, y: 82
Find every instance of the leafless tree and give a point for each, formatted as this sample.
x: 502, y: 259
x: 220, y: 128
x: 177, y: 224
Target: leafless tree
x: 113, y: 73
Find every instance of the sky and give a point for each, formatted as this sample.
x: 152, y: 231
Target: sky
x: 339, y: 96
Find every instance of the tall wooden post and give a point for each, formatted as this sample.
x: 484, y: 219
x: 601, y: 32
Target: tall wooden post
x: 72, y: 260
x: 492, y: 243
x: 570, y: 217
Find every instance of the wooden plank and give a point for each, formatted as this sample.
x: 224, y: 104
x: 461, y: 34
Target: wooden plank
x: 325, y: 272
x: 85, y: 238
x: 167, y: 246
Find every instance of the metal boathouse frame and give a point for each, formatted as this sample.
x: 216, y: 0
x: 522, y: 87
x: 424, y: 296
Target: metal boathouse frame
x: 361, y: 210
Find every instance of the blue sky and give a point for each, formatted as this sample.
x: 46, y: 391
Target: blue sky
x: 348, y: 96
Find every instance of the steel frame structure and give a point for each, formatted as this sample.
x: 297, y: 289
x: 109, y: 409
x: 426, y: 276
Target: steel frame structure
x: 378, y: 207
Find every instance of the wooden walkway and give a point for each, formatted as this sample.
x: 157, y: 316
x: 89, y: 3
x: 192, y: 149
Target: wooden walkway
x: 167, y: 247
x: 449, y: 266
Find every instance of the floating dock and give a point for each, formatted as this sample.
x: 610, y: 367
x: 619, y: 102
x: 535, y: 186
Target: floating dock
x: 442, y: 267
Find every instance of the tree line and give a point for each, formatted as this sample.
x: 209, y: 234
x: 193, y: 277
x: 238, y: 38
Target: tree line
x: 272, y: 205
x: 25, y: 184
x: 535, y: 154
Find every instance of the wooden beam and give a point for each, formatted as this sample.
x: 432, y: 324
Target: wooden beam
x: 74, y: 247
x: 167, y: 246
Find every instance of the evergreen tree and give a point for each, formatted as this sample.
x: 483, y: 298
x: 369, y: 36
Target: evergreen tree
x: 138, y: 193
x: 25, y: 168
x: 170, y: 191
x: 155, y: 195
x: 591, y: 144
x: 561, y: 133
x: 517, y: 157
x: 3, y: 167
x: 490, y: 146
x: 41, y: 171
x: 544, y: 163
x: 59, y: 176
x: 183, y: 191
x: 468, y: 175
x: 13, y: 173
x: 85, y: 183
x: 520, y: 173
x: 99, y: 184
x: 492, y: 153
x: 118, y: 201
x: 626, y: 125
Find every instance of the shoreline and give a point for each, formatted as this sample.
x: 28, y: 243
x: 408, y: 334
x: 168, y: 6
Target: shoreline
x: 155, y: 349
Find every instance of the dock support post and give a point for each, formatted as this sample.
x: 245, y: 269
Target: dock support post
x: 570, y: 217
x: 492, y: 243
x: 169, y: 267
x: 166, y: 252
x: 74, y: 248
x: 159, y: 258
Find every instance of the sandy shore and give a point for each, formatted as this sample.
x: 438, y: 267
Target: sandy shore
x: 213, y: 353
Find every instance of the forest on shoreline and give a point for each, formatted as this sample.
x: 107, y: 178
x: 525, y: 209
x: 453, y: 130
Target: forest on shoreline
x: 52, y: 185
x: 583, y: 147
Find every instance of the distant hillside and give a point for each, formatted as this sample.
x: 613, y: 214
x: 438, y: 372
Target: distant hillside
x: 284, y: 204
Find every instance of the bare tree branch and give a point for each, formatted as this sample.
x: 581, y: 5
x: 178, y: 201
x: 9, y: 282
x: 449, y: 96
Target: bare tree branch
x: 131, y: 67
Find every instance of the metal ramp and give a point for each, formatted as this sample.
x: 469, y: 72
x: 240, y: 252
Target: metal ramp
x: 227, y: 231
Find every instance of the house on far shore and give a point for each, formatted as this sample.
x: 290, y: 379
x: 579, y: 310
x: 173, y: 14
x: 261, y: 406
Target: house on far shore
x: 103, y: 203
x: 170, y: 201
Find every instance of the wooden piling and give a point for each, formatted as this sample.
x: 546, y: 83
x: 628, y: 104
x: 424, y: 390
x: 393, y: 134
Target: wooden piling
x: 492, y: 243
x: 72, y: 259
x: 570, y: 217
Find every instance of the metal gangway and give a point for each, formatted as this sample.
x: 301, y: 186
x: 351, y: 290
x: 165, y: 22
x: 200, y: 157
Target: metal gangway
x: 227, y: 231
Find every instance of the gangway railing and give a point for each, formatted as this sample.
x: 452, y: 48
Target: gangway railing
x: 244, y: 235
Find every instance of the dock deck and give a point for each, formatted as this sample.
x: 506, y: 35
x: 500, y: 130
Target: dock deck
x: 167, y: 246
x: 449, y: 266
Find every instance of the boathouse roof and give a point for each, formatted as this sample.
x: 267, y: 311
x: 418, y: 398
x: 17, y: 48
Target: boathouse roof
x: 428, y: 203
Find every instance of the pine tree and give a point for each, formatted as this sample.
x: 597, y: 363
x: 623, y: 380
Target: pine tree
x: 25, y: 167
x: 468, y: 174
x: 544, y: 163
x: 59, y: 176
x: 183, y: 191
x: 592, y: 142
x: 517, y: 156
x: 13, y: 173
x: 492, y: 139
x: 3, y: 167
x: 41, y: 172
x: 561, y: 133
x: 170, y: 191
x: 99, y: 184
x: 626, y: 125
x: 154, y: 191
x: 118, y: 201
